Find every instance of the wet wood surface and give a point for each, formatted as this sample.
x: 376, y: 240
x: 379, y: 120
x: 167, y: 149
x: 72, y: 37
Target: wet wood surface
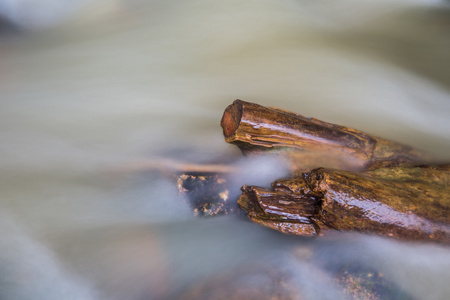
x: 257, y: 129
x: 408, y: 203
x: 388, y: 189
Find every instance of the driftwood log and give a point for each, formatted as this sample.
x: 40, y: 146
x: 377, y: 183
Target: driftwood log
x: 256, y: 129
x: 389, y: 191
x: 401, y: 202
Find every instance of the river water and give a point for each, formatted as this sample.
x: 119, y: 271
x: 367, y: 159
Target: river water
x: 87, y: 105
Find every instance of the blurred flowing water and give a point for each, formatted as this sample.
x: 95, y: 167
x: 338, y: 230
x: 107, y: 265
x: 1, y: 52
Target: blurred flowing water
x: 123, y: 82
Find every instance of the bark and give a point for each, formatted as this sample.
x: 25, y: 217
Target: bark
x: 402, y: 202
x: 256, y: 129
x: 370, y: 185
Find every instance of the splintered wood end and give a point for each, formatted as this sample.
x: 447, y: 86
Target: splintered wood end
x: 231, y: 118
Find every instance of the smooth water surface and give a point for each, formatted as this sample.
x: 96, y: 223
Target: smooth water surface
x: 88, y: 103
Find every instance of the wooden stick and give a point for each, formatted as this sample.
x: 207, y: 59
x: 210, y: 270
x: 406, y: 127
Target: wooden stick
x: 409, y: 203
x: 391, y: 194
x: 255, y: 129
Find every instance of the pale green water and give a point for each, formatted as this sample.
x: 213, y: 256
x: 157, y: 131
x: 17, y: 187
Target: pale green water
x: 126, y: 81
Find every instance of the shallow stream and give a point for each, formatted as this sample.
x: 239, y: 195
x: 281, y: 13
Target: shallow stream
x: 88, y: 104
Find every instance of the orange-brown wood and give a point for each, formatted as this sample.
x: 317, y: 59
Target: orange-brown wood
x: 256, y: 129
x: 403, y: 202
x: 373, y: 186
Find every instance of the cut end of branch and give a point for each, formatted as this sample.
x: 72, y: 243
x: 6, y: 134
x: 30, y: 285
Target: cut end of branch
x: 231, y: 118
